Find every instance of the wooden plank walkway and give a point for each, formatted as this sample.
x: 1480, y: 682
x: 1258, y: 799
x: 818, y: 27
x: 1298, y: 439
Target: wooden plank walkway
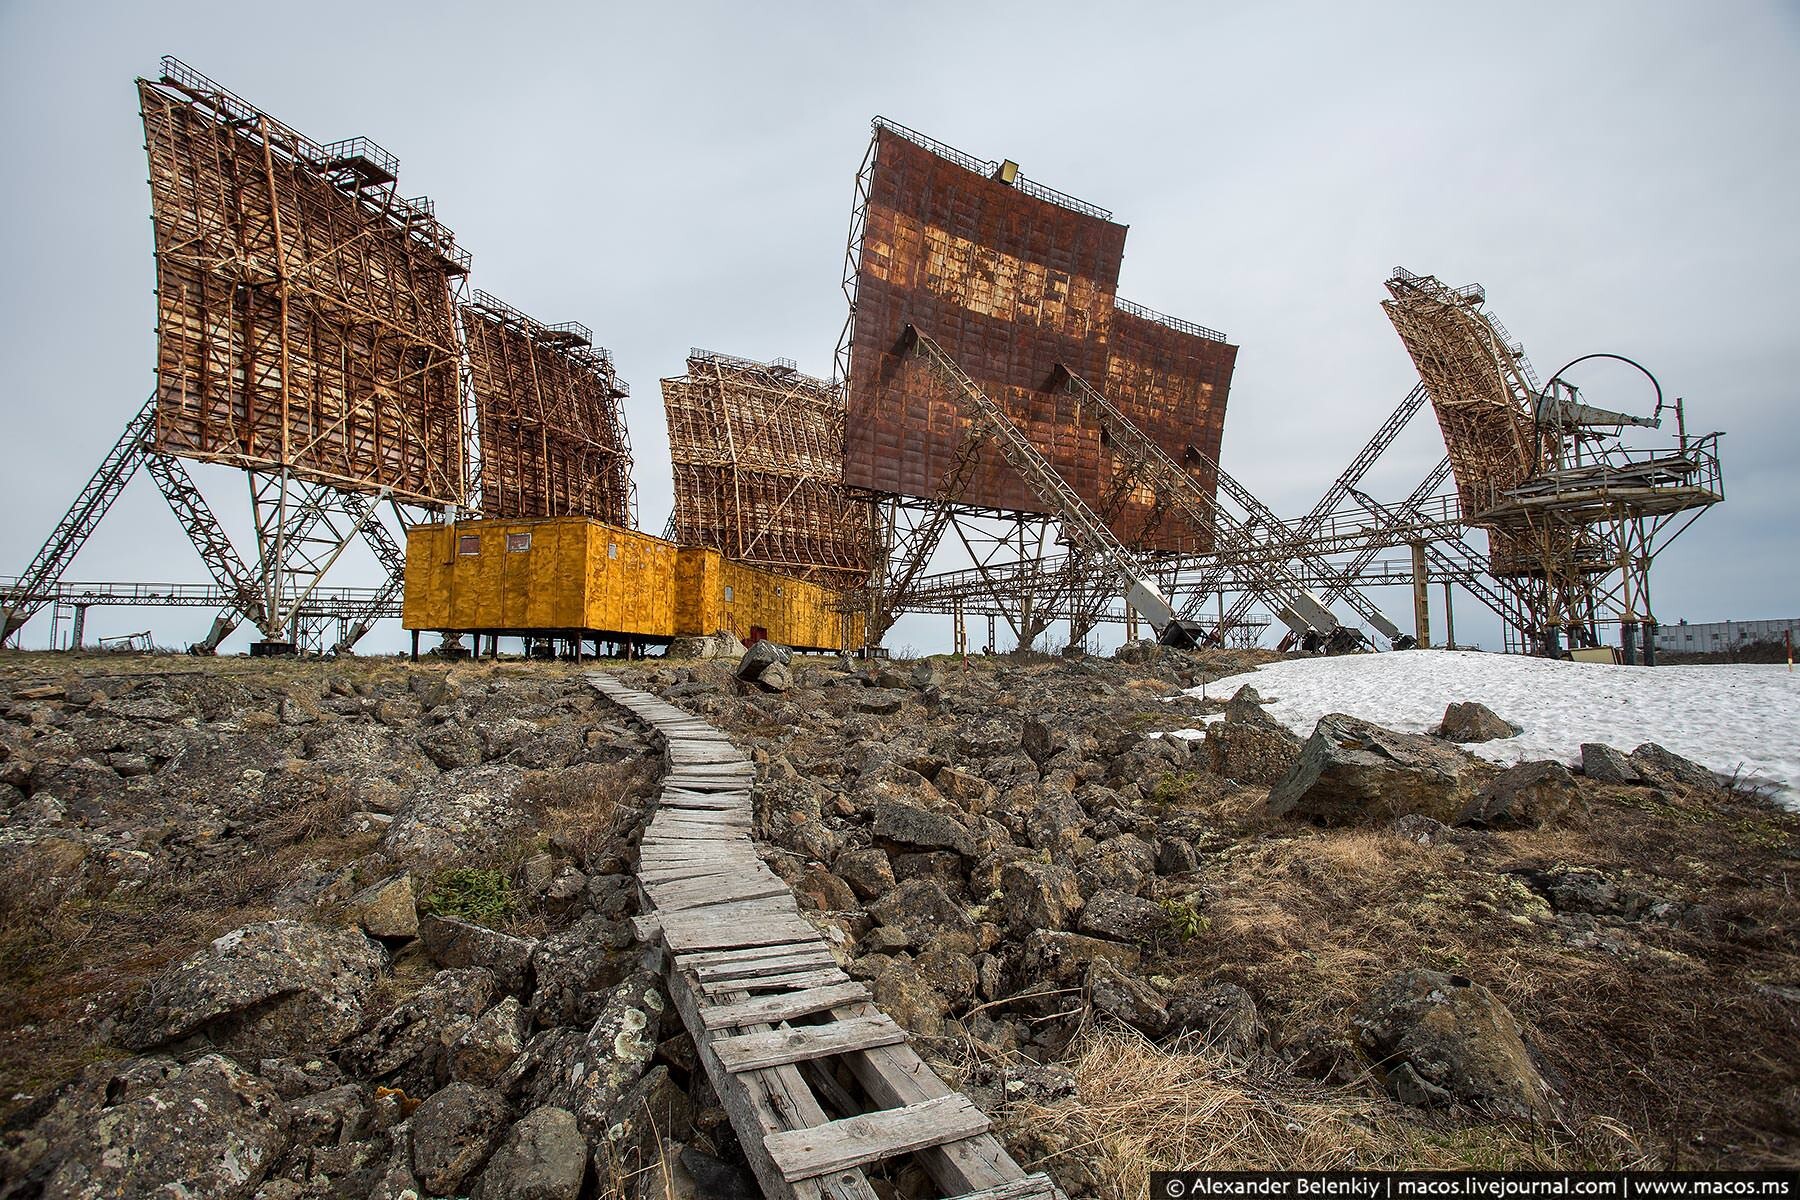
x: 771, y: 1011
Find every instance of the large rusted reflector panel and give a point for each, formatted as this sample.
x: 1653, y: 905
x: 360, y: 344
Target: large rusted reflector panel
x: 305, y: 312
x: 757, y: 450
x: 547, y: 402
x: 1012, y: 280
x: 1172, y: 378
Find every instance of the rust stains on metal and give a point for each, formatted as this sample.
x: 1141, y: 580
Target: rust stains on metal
x: 1013, y: 280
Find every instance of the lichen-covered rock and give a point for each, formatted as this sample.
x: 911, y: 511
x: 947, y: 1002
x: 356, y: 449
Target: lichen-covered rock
x: 1454, y: 1035
x: 1121, y: 916
x: 1224, y: 1015
x: 924, y: 911
x: 1471, y: 721
x: 469, y: 811
x: 767, y: 665
x: 453, y: 1132
x: 544, y: 1157
x: 576, y: 967
x: 617, y: 1050
x: 1124, y: 863
x: 1525, y: 796
x: 153, y: 1127
x: 489, y: 1046
x: 909, y: 824
x: 903, y: 992
x: 1037, y: 895
x: 868, y: 872
x: 408, y: 1047
x: 1665, y: 767
x: 653, y: 1110
x: 386, y: 909
x: 1126, y: 998
x: 1250, y: 751
x: 280, y: 987
x: 1352, y: 772
x: 1063, y: 957
x: 456, y: 943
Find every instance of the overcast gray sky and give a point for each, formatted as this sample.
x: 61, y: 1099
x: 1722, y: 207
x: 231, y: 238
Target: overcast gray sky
x: 1621, y: 176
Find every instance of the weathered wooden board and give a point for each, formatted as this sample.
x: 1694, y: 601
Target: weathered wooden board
x: 753, y: 1051
x: 789, y: 981
x: 784, y: 1006
x: 871, y: 1137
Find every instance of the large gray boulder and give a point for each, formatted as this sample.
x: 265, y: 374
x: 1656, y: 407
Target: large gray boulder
x: 1665, y: 768
x: 1224, y: 1015
x: 452, y: 942
x: 924, y: 911
x: 1250, y: 751
x: 767, y: 665
x: 544, y: 1157
x: 1353, y: 772
x: 1440, y: 1038
x: 274, y: 989
x: 409, y: 1046
x: 1126, y: 998
x: 468, y: 812
x: 453, y: 1132
x: 208, y: 1130
x: 617, y: 1050
x: 1602, y: 764
x: 1525, y: 796
x: 908, y: 824
x: 1037, y: 895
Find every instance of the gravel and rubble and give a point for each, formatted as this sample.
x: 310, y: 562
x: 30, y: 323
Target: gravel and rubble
x: 371, y: 924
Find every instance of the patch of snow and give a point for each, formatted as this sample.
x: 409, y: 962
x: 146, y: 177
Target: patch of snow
x: 1742, y: 718
x: 1192, y: 735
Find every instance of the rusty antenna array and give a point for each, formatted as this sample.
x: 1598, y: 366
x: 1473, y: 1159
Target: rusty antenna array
x: 307, y: 336
x: 1573, y: 516
x: 758, y: 456
x: 548, y: 407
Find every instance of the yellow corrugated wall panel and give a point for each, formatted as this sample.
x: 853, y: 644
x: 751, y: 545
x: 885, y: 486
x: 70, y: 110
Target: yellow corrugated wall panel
x: 697, y: 607
x: 425, y: 600
x: 583, y: 574
x: 630, y: 582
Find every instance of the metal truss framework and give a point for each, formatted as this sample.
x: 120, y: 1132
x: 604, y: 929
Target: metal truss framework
x: 302, y: 529
x: 758, y: 456
x: 549, y: 408
x: 1573, y: 517
x: 344, y: 607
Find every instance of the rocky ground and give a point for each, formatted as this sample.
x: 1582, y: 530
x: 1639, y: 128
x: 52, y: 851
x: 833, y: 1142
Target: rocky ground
x: 295, y: 930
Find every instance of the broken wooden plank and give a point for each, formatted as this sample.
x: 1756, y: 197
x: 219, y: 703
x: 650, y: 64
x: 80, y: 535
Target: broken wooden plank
x: 805, y: 956
x: 712, y: 889
x: 788, y: 981
x: 895, y: 1076
x: 761, y: 1103
x: 753, y: 1051
x: 874, y: 1136
x: 783, y: 1007
x: 708, y: 959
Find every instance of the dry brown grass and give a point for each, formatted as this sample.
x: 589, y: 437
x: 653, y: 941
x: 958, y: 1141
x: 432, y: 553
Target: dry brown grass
x: 588, y: 808
x: 1142, y: 1108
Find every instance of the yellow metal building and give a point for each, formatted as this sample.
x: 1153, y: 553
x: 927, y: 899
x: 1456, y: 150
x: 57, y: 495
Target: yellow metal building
x: 572, y: 576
